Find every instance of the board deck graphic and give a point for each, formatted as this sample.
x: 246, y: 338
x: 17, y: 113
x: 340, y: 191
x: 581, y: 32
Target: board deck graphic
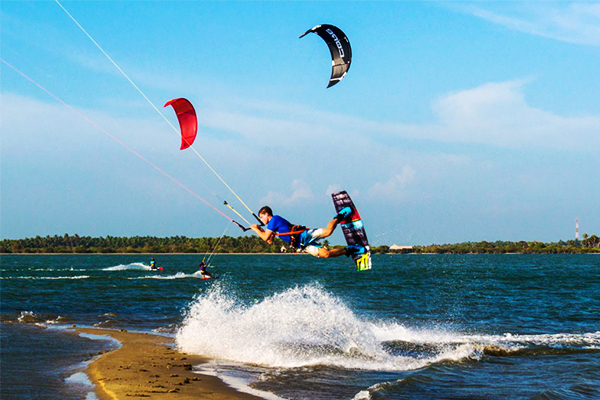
x: 353, y: 229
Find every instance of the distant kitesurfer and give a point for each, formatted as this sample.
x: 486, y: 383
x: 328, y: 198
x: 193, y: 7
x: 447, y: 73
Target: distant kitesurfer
x: 203, y: 270
x: 301, y: 238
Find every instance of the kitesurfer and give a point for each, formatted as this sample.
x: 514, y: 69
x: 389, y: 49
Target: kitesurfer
x: 301, y: 238
x: 203, y: 270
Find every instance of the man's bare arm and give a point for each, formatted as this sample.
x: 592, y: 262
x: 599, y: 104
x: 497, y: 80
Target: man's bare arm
x: 265, y: 235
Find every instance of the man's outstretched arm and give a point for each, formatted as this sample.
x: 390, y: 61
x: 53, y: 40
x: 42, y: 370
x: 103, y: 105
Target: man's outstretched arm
x: 265, y: 235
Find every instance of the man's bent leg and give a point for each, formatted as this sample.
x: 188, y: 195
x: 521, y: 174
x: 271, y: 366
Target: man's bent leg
x: 326, y: 253
x: 330, y: 228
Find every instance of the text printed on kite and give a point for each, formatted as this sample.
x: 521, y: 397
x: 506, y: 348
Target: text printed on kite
x: 339, y: 46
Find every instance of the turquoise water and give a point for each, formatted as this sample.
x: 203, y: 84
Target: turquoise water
x: 415, y: 327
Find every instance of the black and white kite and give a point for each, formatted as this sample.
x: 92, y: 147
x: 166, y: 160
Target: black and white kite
x: 339, y: 46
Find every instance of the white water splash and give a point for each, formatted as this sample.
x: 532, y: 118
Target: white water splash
x: 178, y: 275
x: 59, y: 269
x: 307, y: 326
x: 396, y: 332
x: 298, y: 327
x: 133, y: 266
x: 80, y: 378
x: 362, y: 395
x: 35, y: 278
x: 29, y: 317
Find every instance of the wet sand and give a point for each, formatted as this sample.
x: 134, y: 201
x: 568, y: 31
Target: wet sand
x: 147, y: 366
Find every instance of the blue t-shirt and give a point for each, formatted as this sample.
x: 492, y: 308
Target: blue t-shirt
x: 280, y: 225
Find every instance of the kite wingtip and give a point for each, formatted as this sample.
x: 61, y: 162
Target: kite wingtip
x: 309, y: 31
x: 168, y: 103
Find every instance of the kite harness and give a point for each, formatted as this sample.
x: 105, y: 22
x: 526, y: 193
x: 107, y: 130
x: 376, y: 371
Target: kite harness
x: 294, y: 234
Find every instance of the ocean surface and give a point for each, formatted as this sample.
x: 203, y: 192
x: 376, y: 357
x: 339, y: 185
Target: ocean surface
x: 298, y: 327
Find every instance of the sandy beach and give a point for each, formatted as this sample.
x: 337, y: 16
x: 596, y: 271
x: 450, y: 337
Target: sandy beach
x: 147, y: 366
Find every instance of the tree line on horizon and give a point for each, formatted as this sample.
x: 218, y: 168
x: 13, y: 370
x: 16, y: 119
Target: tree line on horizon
x: 137, y: 244
x: 68, y: 244
x: 588, y: 245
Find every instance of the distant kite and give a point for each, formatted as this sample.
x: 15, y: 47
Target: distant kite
x: 187, y: 120
x: 339, y: 46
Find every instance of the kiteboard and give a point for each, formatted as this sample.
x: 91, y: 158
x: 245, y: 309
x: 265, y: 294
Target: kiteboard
x: 354, y: 230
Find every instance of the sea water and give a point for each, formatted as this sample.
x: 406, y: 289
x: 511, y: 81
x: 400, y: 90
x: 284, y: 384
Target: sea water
x: 297, y: 327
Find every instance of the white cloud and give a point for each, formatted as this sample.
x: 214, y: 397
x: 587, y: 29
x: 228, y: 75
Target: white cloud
x: 497, y: 114
x: 299, y: 142
x: 492, y: 114
x: 266, y: 145
x: 300, y: 191
x: 395, y: 185
x: 572, y: 22
x: 29, y: 124
x: 334, y: 188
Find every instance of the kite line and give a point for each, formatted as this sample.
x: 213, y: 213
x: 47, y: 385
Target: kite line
x: 158, y: 111
x: 121, y: 143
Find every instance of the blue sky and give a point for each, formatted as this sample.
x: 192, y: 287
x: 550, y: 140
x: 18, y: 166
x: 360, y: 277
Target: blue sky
x: 458, y: 121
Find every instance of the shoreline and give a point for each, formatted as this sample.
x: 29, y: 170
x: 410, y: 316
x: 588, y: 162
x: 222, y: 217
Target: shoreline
x: 274, y: 254
x: 146, y: 366
x: 151, y: 254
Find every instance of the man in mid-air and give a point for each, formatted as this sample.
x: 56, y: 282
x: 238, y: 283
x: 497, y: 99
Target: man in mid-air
x: 301, y: 238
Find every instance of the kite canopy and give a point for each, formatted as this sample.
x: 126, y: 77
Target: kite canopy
x: 339, y: 46
x: 187, y: 120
